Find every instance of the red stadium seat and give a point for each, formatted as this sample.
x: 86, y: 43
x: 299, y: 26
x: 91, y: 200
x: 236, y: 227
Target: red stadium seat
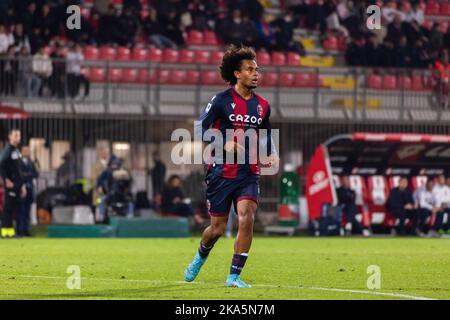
x: 302, y: 79
x: 186, y: 56
x: 143, y: 76
x: 195, y: 38
x: 374, y: 81
x: 170, y: 55
x: 123, y: 54
x: 177, y: 77
x: 336, y: 181
x: 286, y: 79
x: 114, y: 75
x: 155, y: 55
x: 293, y: 59
x: 417, y: 83
x: 432, y: 8
x: 216, y: 57
x: 331, y: 43
x: 278, y: 59
x: 90, y: 53
x: 129, y: 75
x: 389, y: 82
x: 107, y: 53
x: 358, y: 184
x: 404, y: 82
x: 192, y: 77
x: 210, y: 78
x: 209, y: 38
x: 445, y: 9
x: 139, y: 54
x: 97, y: 74
x: 269, y: 79
x: 263, y: 58
x: 202, y: 57
x: 163, y: 76
x: 306, y: 80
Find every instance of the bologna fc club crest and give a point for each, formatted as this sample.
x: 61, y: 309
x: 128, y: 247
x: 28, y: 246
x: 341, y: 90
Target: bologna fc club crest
x: 260, y: 109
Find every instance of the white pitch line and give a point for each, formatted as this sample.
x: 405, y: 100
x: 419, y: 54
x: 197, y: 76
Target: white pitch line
x: 396, y: 295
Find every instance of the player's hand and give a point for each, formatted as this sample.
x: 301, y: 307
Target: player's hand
x: 9, y: 184
x: 232, y: 146
x: 274, y: 160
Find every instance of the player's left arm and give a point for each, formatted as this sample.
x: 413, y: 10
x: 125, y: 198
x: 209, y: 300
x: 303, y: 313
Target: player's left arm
x: 266, y: 142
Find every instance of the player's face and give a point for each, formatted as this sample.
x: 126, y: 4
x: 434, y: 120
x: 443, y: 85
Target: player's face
x: 248, y: 75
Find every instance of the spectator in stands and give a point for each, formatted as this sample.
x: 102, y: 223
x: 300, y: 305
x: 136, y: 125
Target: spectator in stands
x: 28, y: 17
x: 134, y: 6
x: 47, y: 22
x: 158, y: 173
x: 30, y: 173
x: 400, y: 204
x: 420, y: 55
x: 43, y: 68
x: 283, y: 28
x: 354, y: 55
x: 415, y: 14
x: 36, y: 40
x: 108, y: 26
x: 5, y: 40
x: 75, y: 78
x: 8, y: 72
x: 85, y: 34
x: 347, y: 202
x: 425, y: 204
x: 395, y: 30
x: 236, y: 30
x: 102, y: 6
x: 58, y: 78
x: 373, y: 52
x: 315, y: 16
x: 20, y: 38
x: 201, y: 12
x: 154, y: 30
x: 441, y: 194
x: 401, y: 54
x: 265, y: 33
x: 128, y: 24
x: 440, y: 72
x: 436, y: 37
x: 172, y: 29
x: 29, y: 81
x: 172, y: 199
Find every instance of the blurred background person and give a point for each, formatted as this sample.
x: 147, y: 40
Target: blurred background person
x: 400, y: 204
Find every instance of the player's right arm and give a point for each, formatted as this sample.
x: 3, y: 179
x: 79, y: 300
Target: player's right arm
x: 207, y: 118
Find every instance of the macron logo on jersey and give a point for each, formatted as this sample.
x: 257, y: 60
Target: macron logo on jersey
x: 209, y: 105
x: 233, y: 105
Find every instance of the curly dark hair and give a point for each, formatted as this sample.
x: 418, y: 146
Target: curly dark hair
x: 232, y: 61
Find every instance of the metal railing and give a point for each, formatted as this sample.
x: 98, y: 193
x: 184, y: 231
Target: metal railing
x: 151, y: 88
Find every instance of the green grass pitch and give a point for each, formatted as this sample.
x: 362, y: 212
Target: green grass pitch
x: 278, y: 268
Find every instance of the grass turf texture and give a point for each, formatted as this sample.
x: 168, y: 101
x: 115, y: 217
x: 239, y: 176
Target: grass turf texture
x: 278, y: 268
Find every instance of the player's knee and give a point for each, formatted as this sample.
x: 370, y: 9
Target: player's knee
x: 246, y: 217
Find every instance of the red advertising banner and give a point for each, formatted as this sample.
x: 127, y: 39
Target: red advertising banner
x: 319, y: 188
